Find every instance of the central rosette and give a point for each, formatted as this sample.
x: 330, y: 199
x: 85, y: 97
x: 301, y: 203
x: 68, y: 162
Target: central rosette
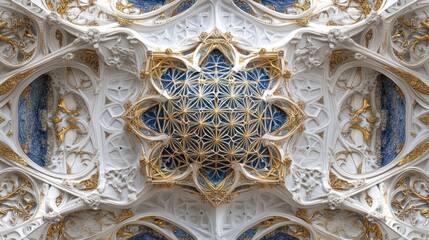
x: 217, y: 123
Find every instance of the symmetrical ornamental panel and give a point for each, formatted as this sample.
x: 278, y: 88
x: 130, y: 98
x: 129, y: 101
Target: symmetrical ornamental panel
x: 220, y: 119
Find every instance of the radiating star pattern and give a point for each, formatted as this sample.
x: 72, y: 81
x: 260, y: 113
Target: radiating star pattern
x: 216, y: 117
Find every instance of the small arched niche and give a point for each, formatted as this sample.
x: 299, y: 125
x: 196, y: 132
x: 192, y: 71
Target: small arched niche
x: 53, y: 120
x: 372, y: 119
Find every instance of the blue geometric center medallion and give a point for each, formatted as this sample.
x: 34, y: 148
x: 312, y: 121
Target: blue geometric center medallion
x: 214, y: 119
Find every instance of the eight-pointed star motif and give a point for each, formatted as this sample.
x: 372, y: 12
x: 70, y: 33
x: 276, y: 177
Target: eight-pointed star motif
x: 216, y: 122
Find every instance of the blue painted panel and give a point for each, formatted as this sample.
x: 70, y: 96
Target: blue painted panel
x: 276, y: 5
x: 182, y: 235
x: 148, y: 5
x: 147, y: 233
x: 151, y: 5
x: 33, y: 133
x: 393, y: 111
x: 248, y: 234
x: 244, y: 6
x: 182, y: 7
x: 147, y: 236
x: 279, y: 234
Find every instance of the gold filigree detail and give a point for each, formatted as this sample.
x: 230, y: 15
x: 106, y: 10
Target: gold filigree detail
x: 304, y: 20
x: 63, y: 131
x: 417, y: 152
x: 11, y: 155
x: 168, y: 51
x: 295, y: 230
x: 359, y: 169
x: 410, y: 37
x: 378, y: 4
x: 61, y: 106
x: 17, y: 201
x: 56, y: 230
x: 338, y: 57
x: 121, y: 7
x: 288, y: 162
x: 361, y: 9
x: 368, y: 199
x: 302, y: 213
x: 160, y: 62
x: 18, y: 31
x: 49, y: 4
x: 79, y: 8
x: 356, y: 119
x: 368, y: 37
x: 161, y: 223
x: 425, y: 119
x: 124, y: 21
x: 335, y: 221
x: 125, y: 214
x: 59, y: 199
x: 11, y: 82
x: 71, y: 120
x: 410, y: 201
x: 89, y: 184
x: 268, y: 222
x: 144, y: 74
x: 414, y: 81
x: 303, y: 7
x: 143, y: 163
x: 91, y: 57
x: 337, y: 183
x: 59, y: 36
x: 372, y: 231
x: 287, y: 75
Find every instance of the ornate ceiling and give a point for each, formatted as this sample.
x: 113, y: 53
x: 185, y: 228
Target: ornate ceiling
x: 214, y: 119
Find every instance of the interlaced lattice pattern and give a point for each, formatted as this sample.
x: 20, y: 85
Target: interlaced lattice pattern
x: 215, y: 117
